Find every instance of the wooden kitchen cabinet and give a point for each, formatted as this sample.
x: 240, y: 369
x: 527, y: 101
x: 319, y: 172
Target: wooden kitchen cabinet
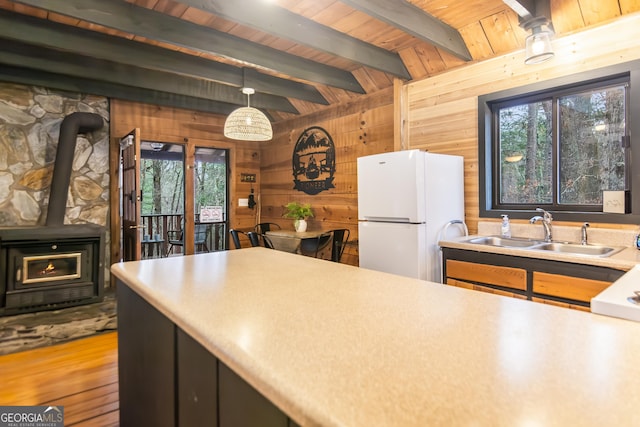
x: 560, y: 304
x: 558, y: 283
x: 563, y: 286
x: 475, y: 287
x: 566, y: 287
x: 508, y: 277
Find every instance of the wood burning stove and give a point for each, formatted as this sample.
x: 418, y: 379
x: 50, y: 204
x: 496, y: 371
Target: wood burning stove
x: 50, y: 267
x: 55, y: 265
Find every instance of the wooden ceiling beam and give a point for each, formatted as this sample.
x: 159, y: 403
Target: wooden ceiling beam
x: 264, y: 83
x: 153, y: 25
x: 75, y: 84
x: 285, y: 24
x: 530, y: 9
x: 38, y: 58
x: 117, y: 49
x: 415, y: 21
x: 525, y: 9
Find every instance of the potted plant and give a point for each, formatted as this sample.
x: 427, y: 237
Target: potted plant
x: 299, y: 212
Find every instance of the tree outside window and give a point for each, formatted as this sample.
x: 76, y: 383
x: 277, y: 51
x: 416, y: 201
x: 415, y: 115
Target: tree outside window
x: 561, y: 149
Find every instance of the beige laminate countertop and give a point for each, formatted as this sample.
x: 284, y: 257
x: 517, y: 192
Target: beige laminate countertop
x: 335, y: 345
x: 623, y: 260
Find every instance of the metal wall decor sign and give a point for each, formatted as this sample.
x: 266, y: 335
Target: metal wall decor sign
x: 314, y: 161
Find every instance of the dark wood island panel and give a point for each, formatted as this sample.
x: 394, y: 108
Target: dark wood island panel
x: 167, y: 379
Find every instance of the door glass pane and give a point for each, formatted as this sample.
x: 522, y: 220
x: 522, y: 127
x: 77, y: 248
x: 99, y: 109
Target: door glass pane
x: 162, y: 207
x: 526, y: 166
x: 592, y: 158
x: 210, y: 185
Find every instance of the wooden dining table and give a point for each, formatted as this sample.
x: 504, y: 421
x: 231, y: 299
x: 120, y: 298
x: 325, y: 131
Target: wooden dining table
x: 289, y: 240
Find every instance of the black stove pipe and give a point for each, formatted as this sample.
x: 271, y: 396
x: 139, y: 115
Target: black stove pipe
x: 71, y: 126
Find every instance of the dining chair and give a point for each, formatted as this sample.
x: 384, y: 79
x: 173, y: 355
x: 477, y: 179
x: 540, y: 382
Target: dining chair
x: 200, y: 237
x: 267, y: 241
x: 254, y: 238
x: 340, y: 239
x: 263, y: 227
x: 235, y: 237
x: 176, y: 238
x: 311, y: 246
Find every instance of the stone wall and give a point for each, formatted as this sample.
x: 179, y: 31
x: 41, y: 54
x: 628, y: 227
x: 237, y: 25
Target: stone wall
x: 30, y: 119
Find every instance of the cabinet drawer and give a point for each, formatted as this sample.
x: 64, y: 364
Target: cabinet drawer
x: 459, y: 283
x: 568, y: 287
x: 466, y: 285
x: 508, y: 277
x: 560, y: 304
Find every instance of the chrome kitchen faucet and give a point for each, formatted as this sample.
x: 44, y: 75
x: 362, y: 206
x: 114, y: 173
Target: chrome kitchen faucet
x: 546, y: 219
x: 583, y: 233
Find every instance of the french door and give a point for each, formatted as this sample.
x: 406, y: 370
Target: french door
x: 211, y: 195
x: 173, y: 198
x: 131, y: 233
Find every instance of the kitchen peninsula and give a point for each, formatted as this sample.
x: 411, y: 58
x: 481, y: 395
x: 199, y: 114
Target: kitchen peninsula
x: 296, y: 340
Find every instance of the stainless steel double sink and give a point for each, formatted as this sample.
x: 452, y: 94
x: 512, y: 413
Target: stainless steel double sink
x: 541, y: 245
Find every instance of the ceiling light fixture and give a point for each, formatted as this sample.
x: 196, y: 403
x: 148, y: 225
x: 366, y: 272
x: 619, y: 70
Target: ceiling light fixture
x: 156, y: 146
x: 538, y: 45
x: 248, y: 123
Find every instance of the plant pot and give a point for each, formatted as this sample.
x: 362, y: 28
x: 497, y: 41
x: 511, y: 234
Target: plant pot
x: 300, y: 225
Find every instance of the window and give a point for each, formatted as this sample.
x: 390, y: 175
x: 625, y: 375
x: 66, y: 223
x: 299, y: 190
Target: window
x: 558, y: 145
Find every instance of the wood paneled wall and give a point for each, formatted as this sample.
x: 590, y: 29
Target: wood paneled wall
x: 442, y: 111
x: 191, y: 128
x: 358, y: 128
x: 438, y: 114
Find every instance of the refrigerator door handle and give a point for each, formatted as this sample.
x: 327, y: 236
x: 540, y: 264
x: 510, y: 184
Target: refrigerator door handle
x: 388, y: 219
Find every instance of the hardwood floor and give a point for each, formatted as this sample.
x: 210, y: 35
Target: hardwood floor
x: 81, y: 375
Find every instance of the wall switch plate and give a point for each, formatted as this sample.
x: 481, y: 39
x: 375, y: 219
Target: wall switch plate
x: 247, y: 177
x: 243, y: 202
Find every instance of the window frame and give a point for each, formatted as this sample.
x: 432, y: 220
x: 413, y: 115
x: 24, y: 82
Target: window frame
x: 487, y: 155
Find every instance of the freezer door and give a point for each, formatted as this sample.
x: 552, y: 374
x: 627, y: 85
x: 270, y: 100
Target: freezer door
x: 391, y: 187
x: 394, y: 248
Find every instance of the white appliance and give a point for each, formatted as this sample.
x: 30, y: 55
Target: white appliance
x: 404, y: 199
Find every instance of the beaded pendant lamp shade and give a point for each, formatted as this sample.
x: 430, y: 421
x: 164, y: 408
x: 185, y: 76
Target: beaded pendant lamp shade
x: 248, y: 123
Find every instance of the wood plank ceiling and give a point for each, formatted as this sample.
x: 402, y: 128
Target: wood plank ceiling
x: 300, y: 55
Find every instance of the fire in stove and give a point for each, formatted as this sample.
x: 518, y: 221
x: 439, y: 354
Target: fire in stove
x: 46, y: 268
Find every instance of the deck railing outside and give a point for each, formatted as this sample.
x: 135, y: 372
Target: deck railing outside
x: 156, y: 234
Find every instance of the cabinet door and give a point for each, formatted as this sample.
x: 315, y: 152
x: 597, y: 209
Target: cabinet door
x: 197, y: 383
x: 508, y: 277
x: 242, y: 406
x: 146, y: 362
x: 573, y: 288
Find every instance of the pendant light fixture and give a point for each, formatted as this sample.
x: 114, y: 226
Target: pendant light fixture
x: 535, y: 16
x: 538, y: 44
x: 248, y: 123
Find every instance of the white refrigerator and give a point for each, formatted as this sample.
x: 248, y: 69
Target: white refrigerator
x: 405, y: 198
